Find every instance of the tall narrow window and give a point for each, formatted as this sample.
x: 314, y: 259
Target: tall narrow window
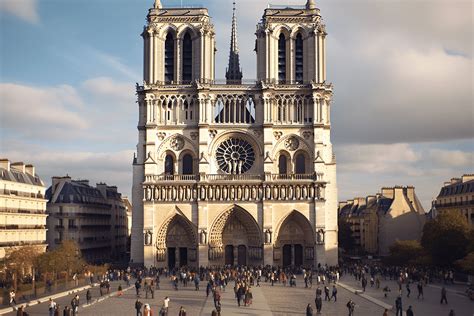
x: 299, y: 58
x: 169, y: 58
x: 187, y: 164
x: 282, y: 164
x: 300, y: 164
x: 281, y: 58
x: 169, y: 165
x: 187, y: 58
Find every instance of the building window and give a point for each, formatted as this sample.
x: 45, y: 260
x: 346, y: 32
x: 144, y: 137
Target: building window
x: 281, y: 58
x: 300, y: 164
x: 169, y: 58
x: 187, y: 58
x: 169, y: 164
x: 187, y: 164
x: 282, y: 164
x: 299, y: 58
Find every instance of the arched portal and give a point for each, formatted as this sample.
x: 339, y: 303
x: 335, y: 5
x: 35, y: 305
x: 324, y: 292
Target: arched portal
x: 177, y: 242
x: 295, y: 241
x: 235, y: 239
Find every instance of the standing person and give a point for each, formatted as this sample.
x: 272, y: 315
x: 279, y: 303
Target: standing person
x: 137, y: 287
x: 350, y: 307
x: 147, y: 310
x: 334, y: 293
x: 88, y: 296
x: 75, y: 305
x: 166, y: 304
x: 196, y: 282
x: 410, y: 311
x: 138, y: 307
x: 420, y: 290
x: 443, y: 296
x: 451, y: 313
x: 364, y: 283
x: 385, y: 313
x: 408, y: 288
x: 51, y: 307
x: 12, y: 297
x: 318, y: 302
x: 182, y: 311
x: 398, y: 306
x: 326, y: 293
x: 67, y: 311
x: 309, y: 310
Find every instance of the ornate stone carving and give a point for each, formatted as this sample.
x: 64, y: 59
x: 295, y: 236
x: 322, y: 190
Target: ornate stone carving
x: 268, y: 236
x: 292, y: 143
x: 148, y: 237
x: 307, y: 134
x: 194, y: 135
x: 161, y: 135
x: 320, y: 236
x: 177, y: 143
x: 203, y: 237
x: 212, y: 133
x: 277, y: 135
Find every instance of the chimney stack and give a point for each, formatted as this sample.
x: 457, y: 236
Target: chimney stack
x: 18, y: 166
x: 30, y: 169
x: 5, y: 164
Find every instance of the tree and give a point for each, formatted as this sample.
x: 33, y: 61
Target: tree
x: 346, y: 240
x: 22, y: 259
x: 404, y: 252
x: 446, y: 238
x: 467, y: 263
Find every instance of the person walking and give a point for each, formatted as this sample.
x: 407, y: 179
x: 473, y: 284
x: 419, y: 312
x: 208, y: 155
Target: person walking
x: 334, y: 293
x: 75, y: 305
x: 398, y: 306
x: 137, y: 287
x: 147, y: 310
x: 452, y: 313
x: 409, y: 311
x: 385, y: 313
x: 182, y: 311
x: 443, y: 296
x: 88, y: 296
x: 166, y: 304
x: 326, y: 293
x: 408, y: 288
x: 420, y: 290
x: 309, y: 310
x: 138, y: 307
x: 364, y: 283
x: 350, y: 307
x: 12, y: 297
x: 51, y: 307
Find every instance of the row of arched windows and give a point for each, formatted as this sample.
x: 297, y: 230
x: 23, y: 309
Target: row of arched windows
x: 282, y: 58
x: 285, y: 167
x: 187, y: 164
x: 186, y: 58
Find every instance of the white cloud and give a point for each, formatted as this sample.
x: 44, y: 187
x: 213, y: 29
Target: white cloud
x: 26, y: 10
x: 31, y: 110
x: 452, y: 158
x: 107, y: 87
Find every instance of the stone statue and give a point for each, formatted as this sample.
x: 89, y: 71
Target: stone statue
x: 203, y: 237
x: 148, y: 237
x: 268, y: 236
x: 320, y: 236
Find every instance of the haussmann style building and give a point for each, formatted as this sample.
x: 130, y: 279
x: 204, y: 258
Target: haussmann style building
x: 94, y: 217
x: 457, y: 195
x: 22, y: 208
x: 232, y: 172
x: 377, y: 221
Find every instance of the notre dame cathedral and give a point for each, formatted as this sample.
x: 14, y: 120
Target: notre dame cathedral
x: 231, y: 172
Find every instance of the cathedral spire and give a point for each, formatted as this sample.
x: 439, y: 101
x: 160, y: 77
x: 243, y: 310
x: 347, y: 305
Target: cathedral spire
x: 233, y: 73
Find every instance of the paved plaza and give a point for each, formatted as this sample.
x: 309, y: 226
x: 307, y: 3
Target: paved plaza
x: 269, y: 300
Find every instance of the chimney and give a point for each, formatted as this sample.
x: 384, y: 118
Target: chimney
x: 398, y: 192
x: 361, y: 201
x: 369, y: 199
x: 5, y: 164
x: 102, y: 187
x: 56, y: 180
x: 455, y: 180
x: 18, y: 166
x: 342, y: 204
x: 467, y: 177
x: 410, y: 193
x: 388, y: 192
x: 30, y: 169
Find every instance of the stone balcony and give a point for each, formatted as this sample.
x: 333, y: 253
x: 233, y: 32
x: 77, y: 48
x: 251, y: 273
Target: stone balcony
x: 230, y: 187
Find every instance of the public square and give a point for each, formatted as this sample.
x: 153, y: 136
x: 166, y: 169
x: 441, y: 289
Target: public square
x: 268, y: 300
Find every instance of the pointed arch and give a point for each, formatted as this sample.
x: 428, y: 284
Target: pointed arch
x: 295, y: 228
x: 180, y: 220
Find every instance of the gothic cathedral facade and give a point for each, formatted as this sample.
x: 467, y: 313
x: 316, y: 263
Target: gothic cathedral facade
x: 227, y: 172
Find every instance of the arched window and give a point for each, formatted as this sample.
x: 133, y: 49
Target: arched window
x: 169, y: 164
x: 169, y: 58
x: 281, y: 58
x: 187, y: 164
x: 300, y: 164
x: 282, y: 164
x: 187, y: 58
x: 299, y: 58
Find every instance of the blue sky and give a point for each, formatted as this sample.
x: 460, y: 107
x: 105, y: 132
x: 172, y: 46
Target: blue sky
x: 403, y: 77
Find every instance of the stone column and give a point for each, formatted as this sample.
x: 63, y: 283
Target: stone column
x: 292, y: 255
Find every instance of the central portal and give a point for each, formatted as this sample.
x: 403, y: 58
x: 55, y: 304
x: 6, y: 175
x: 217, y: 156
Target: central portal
x: 235, y: 239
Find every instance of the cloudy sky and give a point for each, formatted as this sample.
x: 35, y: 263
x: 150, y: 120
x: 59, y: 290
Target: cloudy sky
x: 403, y: 110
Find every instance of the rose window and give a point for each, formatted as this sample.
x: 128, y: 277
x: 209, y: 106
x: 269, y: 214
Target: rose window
x: 235, y: 156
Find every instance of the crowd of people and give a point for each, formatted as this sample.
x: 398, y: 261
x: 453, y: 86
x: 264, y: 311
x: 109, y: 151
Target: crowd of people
x: 241, y: 280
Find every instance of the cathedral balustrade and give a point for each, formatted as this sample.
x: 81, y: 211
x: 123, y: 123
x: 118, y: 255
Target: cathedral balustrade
x: 201, y: 191
x: 316, y: 177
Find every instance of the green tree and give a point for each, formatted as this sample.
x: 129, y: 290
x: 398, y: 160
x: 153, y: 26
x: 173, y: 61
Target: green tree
x: 346, y: 240
x: 405, y: 252
x: 467, y: 263
x: 446, y: 238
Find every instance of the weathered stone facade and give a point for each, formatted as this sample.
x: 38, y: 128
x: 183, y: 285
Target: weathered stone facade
x: 234, y: 173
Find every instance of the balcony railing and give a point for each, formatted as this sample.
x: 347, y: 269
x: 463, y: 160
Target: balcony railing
x: 317, y: 176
